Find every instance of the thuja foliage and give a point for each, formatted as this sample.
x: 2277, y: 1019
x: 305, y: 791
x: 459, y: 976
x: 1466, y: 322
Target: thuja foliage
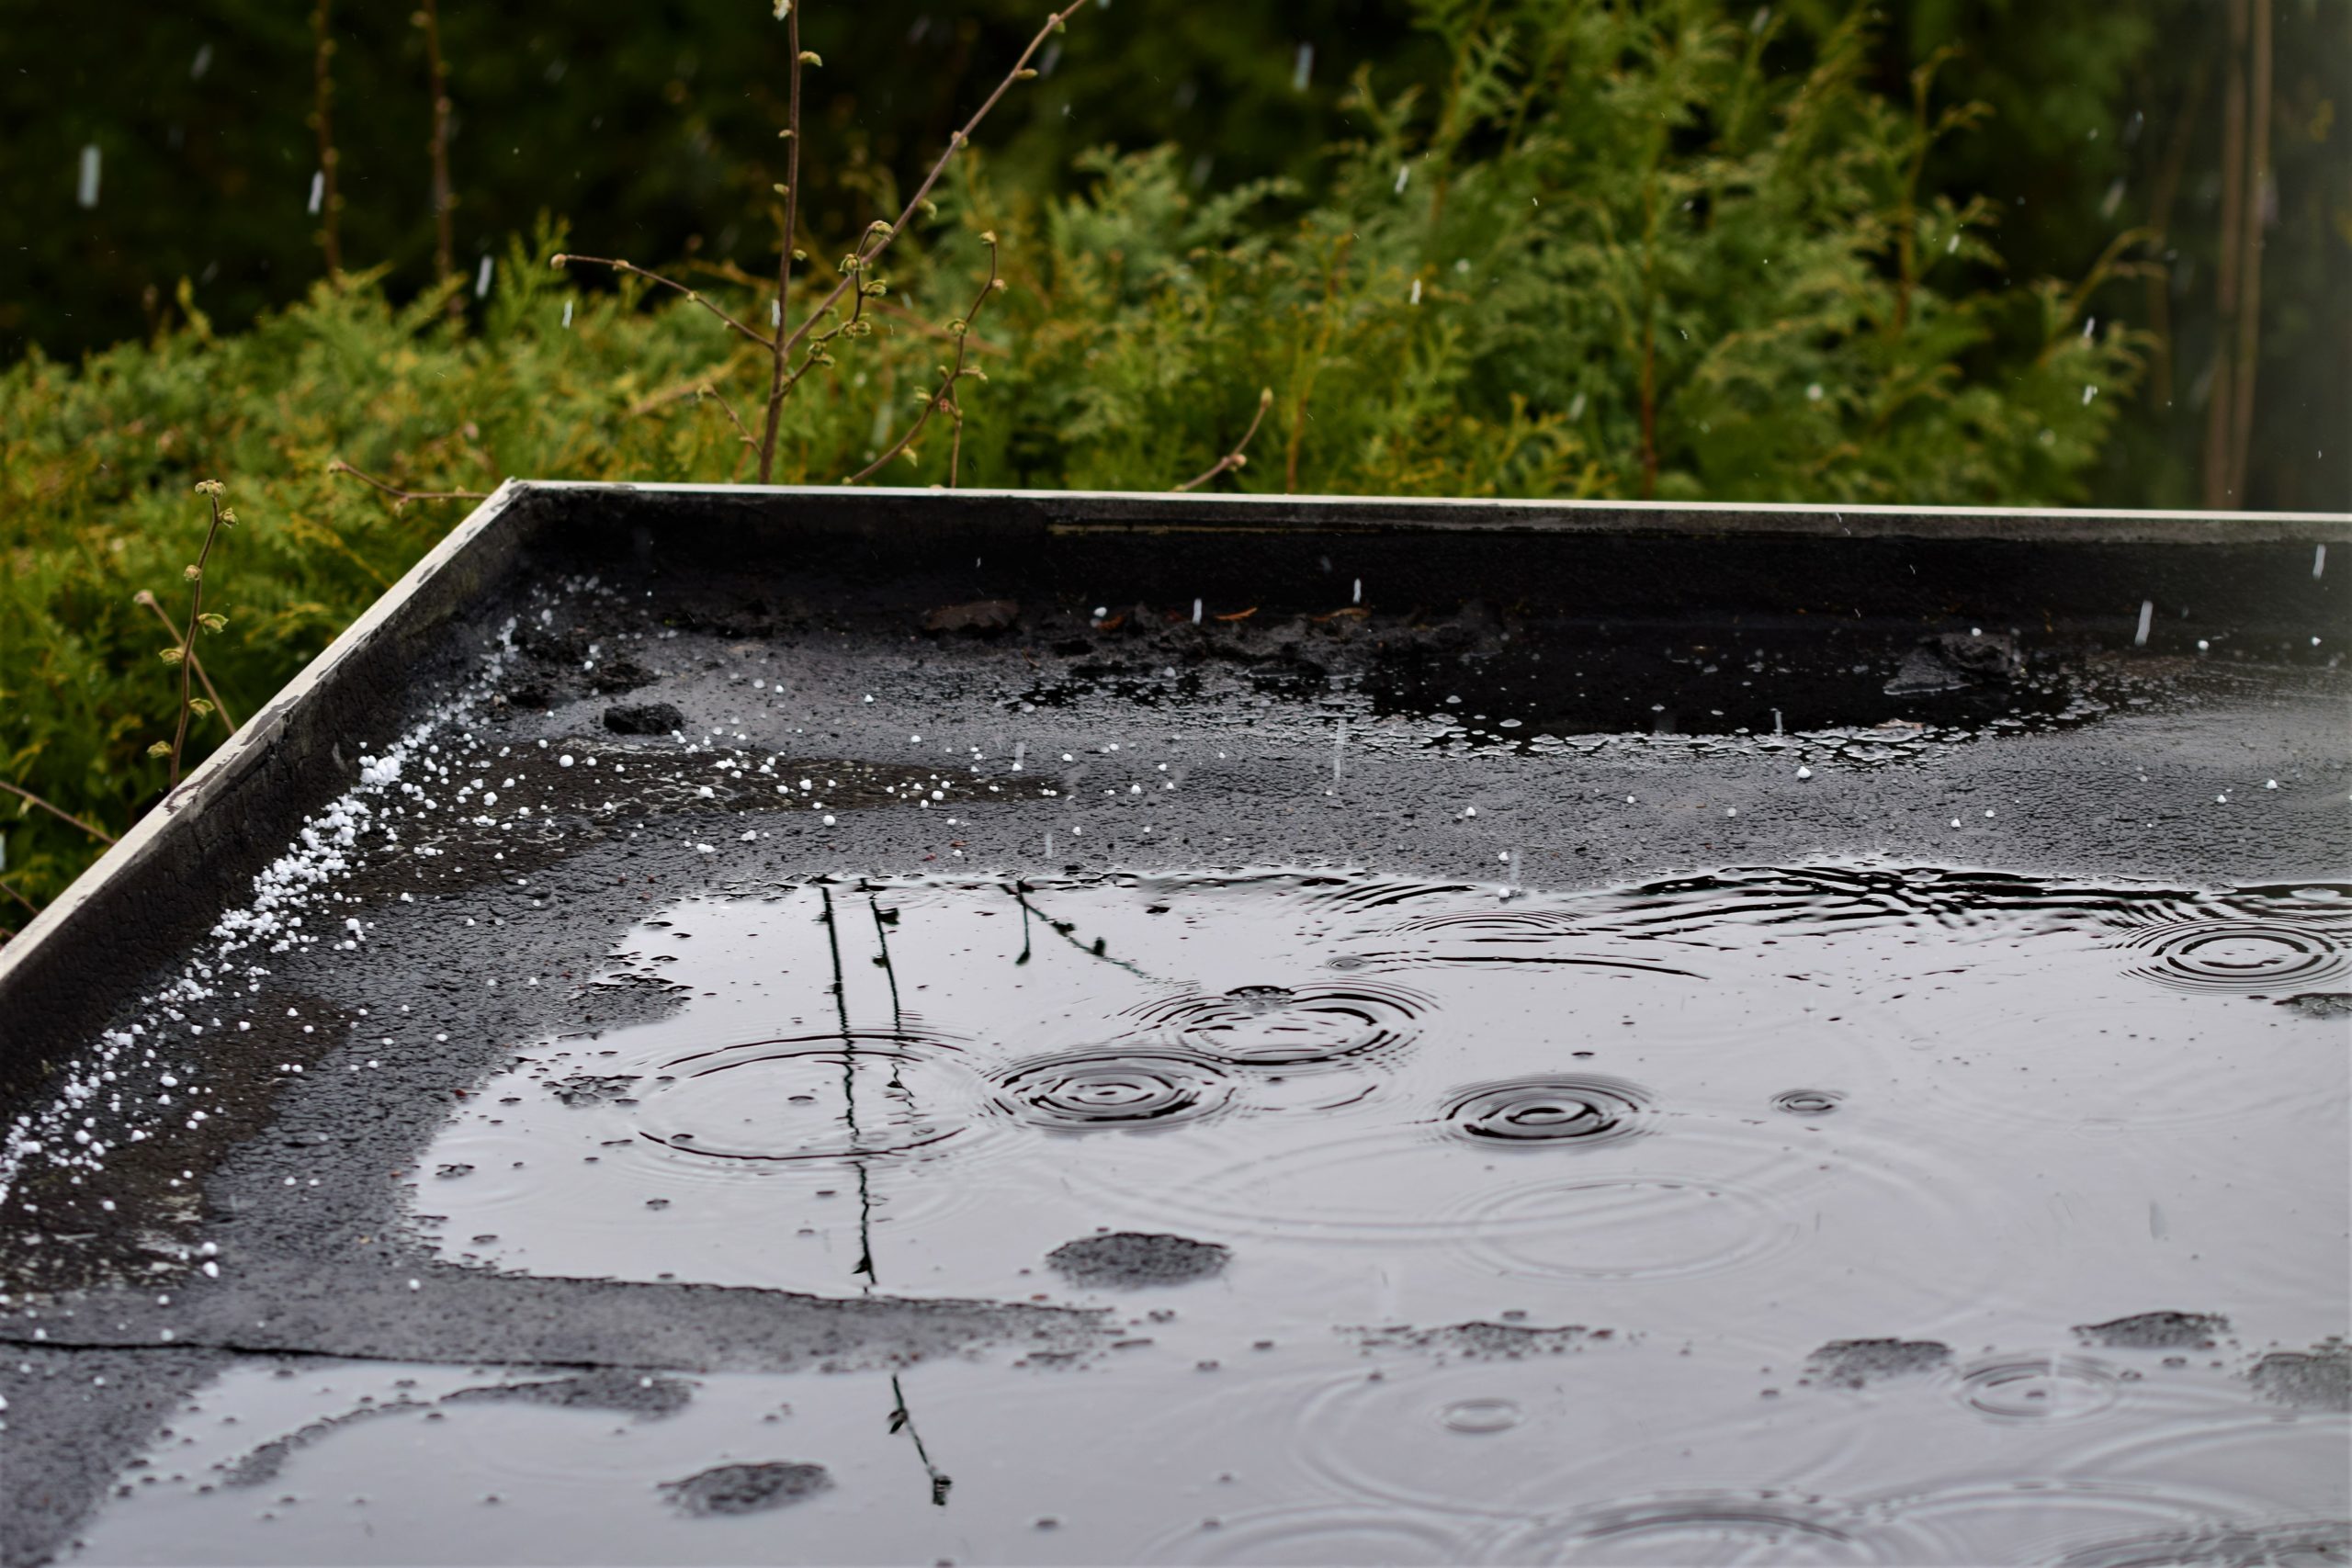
x: 1602, y: 252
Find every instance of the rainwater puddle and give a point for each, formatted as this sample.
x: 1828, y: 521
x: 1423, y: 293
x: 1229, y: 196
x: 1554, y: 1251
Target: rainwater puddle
x: 1849, y: 1214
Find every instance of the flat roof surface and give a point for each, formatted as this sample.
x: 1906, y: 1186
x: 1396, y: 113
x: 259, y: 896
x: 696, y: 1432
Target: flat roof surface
x: 232, y: 1059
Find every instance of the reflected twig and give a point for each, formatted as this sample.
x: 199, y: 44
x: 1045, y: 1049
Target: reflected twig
x: 849, y: 1095
x: 1064, y: 929
x: 903, y: 1420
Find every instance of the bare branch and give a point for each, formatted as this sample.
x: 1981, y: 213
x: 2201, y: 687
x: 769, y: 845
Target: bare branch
x: 59, y: 812
x: 693, y: 294
x: 778, y: 384
x: 10, y: 889
x: 933, y: 329
x: 323, y: 122
x: 403, y: 497
x: 1238, y: 457
x: 219, y: 707
x: 880, y: 238
x: 943, y: 401
x: 707, y: 390
x: 445, y: 199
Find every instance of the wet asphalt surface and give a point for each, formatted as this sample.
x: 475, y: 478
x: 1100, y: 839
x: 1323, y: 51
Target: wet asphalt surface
x: 273, y: 1232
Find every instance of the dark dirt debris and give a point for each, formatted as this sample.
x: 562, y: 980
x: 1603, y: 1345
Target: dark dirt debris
x: 746, y: 1488
x: 1129, y: 1259
x: 2157, y: 1331
x: 1852, y: 1363
x: 644, y: 719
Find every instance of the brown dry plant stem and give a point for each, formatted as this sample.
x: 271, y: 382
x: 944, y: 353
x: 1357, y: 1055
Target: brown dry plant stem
x: 323, y: 122
x: 183, y: 657
x: 2252, y: 214
x: 219, y: 707
x: 742, y: 432
x: 943, y: 401
x: 2221, y: 404
x: 403, y: 497
x: 790, y: 237
x: 880, y: 235
x: 694, y: 295
x: 445, y: 199
x: 57, y: 811
x: 1239, y: 455
x: 855, y: 268
x: 1304, y: 366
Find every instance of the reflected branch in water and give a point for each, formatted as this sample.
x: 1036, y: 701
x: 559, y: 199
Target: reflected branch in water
x: 1067, y: 930
x: 903, y: 1420
x: 849, y: 1095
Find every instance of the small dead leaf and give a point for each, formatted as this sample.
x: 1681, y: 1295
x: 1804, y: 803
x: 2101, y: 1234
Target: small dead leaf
x: 1237, y: 614
x: 979, y: 618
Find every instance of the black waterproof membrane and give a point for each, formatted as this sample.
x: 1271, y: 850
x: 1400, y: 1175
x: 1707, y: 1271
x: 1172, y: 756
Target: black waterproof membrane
x: 744, y: 1026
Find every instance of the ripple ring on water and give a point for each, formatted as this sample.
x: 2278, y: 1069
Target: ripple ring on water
x: 1084, y: 1090
x: 829, y: 1097
x: 1697, y: 1528
x: 1578, y: 1111
x: 2039, y: 1388
x: 2237, y: 956
x: 1277, y: 1026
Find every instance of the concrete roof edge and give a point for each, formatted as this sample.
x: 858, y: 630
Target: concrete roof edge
x: 252, y: 739
x: 1155, y: 509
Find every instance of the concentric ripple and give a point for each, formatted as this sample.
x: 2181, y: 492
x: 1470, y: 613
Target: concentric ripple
x: 1083, y: 1090
x: 1808, y: 1101
x: 1582, y: 1112
x: 1480, y: 1417
x: 1643, y: 1228
x: 1694, y: 1529
x: 2238, y: 955
x: 829, y: 1097
x: 1321, y: 1532
x: 1280, y: 1026
x: 2039, y: 1388
x: 1472, y: 937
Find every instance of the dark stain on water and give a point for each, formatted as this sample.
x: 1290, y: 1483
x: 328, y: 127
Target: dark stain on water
x: 1342, y: 1165
x: 2320, y: 1005
x: 2318, y: 1379
x: 1855, y: 1363
x: 2159, y: 1331
x: 1479, y: 1340
x: 1130, y: 1260
x: 1603, y: 680
x: 647, y: 1396
x: 746, y: 1488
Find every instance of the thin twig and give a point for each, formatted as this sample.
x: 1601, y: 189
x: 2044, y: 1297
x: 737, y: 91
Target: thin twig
x: 323, y: 120
x: 943, y: 401
x: 148, y: 599
x: 2222, y: 403
x: 445, y: 199
x: 778, y: 385
x: 222, y: 517
x: 1238, y: 457
x: 10, y: 889
x: 2250, y: 322
x: 693, y: 294
x: 707, y: 390
x: 57, y: 811
x: 733, y: 273
x: 405, y: 496
x: 933, y: 329
x: 880, y: 236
